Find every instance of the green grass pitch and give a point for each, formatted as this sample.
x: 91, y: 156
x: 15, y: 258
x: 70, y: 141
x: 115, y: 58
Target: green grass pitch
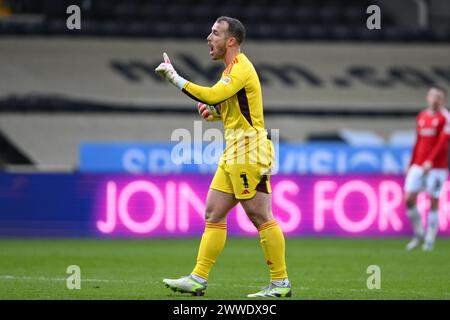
x: 319, y: 268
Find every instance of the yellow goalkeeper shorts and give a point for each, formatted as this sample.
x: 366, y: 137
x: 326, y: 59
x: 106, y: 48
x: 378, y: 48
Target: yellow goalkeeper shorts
x: 243, y: 180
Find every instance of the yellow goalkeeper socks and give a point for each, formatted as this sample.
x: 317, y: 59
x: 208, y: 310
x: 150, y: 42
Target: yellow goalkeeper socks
x: 272, y: 243
x: 212, y: 243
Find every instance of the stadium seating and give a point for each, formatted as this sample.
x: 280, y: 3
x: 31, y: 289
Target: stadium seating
x: 284, y: 19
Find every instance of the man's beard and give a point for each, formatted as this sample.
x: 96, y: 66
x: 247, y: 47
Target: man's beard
x: 220, y: 53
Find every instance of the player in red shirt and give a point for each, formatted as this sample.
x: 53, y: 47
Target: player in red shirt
x: 428, y: 170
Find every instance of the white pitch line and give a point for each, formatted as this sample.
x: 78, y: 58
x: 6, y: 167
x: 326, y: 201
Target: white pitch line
x: 7, y: 277
x: 27, y: 278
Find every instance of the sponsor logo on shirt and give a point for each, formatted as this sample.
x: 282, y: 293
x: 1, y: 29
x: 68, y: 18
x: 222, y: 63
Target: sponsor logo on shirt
x: 428, y: 132
x: 226, y: 80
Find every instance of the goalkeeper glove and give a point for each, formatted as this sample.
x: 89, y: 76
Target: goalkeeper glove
x: 207, y: 112
x: 167, y: 71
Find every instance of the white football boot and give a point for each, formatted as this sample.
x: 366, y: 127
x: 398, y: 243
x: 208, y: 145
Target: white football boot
x: 273, y: 291
x: 186, y: 285
x: 414, y: 243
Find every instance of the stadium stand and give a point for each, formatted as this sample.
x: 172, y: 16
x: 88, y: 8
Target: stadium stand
x: 109, y: 92
x: 285, y: 19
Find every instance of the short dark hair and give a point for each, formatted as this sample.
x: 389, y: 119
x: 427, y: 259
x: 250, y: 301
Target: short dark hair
x: 441, y: 89
x: 235, y: 28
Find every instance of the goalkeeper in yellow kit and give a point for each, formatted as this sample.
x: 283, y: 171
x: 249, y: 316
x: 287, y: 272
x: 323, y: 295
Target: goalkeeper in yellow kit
x: 243, y: 171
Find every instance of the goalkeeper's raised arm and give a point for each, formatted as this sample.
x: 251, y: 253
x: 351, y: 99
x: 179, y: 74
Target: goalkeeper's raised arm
x: 233, y: 80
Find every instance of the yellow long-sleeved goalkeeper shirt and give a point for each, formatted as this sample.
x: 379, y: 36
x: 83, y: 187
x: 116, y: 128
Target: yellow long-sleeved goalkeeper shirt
x: 239, y: 95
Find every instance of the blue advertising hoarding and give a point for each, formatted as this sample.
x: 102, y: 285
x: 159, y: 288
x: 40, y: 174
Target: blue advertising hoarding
x: 312, y: 158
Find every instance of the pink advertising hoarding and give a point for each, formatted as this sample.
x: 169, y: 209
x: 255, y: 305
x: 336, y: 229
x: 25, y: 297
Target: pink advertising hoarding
x: 347, y: 206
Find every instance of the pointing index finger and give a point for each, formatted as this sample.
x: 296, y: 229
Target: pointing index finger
x: 166, y: 58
